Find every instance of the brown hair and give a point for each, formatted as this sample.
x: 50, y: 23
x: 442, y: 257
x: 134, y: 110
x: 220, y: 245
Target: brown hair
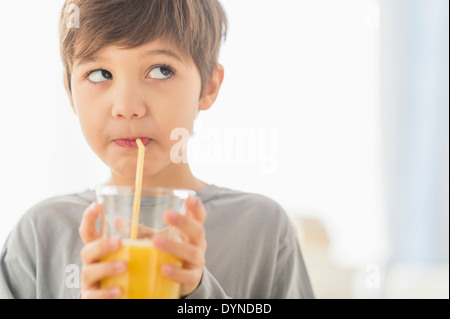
x: 194, y: 27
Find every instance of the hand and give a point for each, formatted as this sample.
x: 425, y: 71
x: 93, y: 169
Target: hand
x: 96, y: 248
x: 191, y: 250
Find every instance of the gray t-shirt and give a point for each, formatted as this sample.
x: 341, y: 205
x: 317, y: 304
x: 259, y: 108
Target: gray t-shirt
x: 252, y: 249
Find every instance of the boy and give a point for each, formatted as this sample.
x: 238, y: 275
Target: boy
x: 142, y: 69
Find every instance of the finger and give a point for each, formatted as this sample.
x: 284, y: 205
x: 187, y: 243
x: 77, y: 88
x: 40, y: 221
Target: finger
x: 189, y: 226
x: 87, y: 229
x: 192, y: 255
x: 94, y: 251
x: 182, y: 275
x: 93, y: 273
x: 194, y: 207
x: 110, y: 293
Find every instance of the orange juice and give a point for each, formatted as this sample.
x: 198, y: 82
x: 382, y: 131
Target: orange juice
x: 143, y: 279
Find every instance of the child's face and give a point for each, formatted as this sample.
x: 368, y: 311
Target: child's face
x: 144, y: 92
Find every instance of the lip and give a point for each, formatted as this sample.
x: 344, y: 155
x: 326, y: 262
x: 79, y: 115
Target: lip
x: 130, y: 142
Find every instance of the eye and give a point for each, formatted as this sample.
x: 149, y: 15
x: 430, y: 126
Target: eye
x: 98, y: 76
x: 161, y: 72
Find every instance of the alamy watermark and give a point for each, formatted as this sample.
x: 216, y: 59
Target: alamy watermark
x: 73, y: 276
x: 73, y: 19
x: 373, y: 16
x: 258, y: 147
x: 373, y: 276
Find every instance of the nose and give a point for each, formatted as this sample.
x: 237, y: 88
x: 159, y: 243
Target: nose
x: 128, y: 104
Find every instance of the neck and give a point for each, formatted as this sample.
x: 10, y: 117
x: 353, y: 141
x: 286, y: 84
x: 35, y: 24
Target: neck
x: 173, y: 176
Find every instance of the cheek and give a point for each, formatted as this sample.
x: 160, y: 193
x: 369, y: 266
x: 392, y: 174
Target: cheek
x: 87, y: 117
x: 186, y: 104
x: 180, y: 118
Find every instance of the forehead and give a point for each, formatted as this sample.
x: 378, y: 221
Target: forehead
x: 153, y: 48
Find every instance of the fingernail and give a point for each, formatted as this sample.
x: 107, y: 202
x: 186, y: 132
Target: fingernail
x: 120, y: 265
x: 114, y: 242
x: 166, y: 269
x: 194, y: 200
x: 172, y: 215
x: 89, y: 208
x: 115, y: 291
x: 93, y: 209
x: 159, y: 241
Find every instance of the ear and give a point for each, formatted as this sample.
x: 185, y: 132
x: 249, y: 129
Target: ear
x: 212, y: 89
x: 69, y: 93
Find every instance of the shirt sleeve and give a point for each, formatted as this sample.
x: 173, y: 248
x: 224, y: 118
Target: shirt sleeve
x: 289, y: 277
x: 209, y: 288
x: 5, y: 289
x: 16, y: 281
x: 17, y: 263
x: 291, y: 280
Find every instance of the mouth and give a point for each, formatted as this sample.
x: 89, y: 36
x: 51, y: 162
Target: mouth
x: 130, y: 143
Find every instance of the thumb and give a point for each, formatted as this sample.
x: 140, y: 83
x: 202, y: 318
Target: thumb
x: 87, y: 229
x: 195, y: 208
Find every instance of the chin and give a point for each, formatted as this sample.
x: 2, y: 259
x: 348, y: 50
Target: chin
x: 129, y: 172
x: 126, y: 175
x: 124, y: 169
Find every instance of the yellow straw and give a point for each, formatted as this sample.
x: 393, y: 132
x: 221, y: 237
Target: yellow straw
x: 138, y: 188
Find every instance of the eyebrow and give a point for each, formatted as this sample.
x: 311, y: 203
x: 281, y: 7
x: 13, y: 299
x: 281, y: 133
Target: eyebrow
x: 165, y: 52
